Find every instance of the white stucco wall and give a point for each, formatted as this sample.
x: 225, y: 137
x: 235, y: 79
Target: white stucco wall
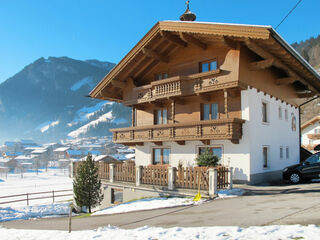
x: 277, y: 132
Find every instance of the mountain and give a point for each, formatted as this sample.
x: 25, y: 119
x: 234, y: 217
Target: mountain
x: 310, y: 50
x: 48, y: 101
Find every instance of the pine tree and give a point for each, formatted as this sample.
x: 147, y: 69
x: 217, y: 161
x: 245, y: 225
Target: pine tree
x: 87, y: 185
x: 207, y: 159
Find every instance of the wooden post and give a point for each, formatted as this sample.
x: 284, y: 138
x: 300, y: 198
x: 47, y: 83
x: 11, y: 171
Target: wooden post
x: 171, y: 177
x: 230, y: 177
x: 138, y: 175
x: 213, y: 182
x: 225, y: 92
x: 112, y: 172
x: 70, y: 217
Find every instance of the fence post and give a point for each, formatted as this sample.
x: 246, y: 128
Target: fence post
x: 213, y: 181
x: 112, y: 172
x: 171, y: 177
x: 138, y: 175
x: 27, y: 199
x: 230, y: 177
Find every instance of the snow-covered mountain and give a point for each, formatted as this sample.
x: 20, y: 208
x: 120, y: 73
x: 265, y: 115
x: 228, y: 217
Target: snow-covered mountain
x: 48, y: 101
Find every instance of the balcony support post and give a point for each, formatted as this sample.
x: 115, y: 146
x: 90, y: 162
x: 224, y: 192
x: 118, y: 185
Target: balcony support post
x: 225, y: 93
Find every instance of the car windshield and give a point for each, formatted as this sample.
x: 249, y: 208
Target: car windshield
x: 314, y: 159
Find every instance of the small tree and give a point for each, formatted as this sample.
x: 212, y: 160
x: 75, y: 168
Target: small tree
x: 207, y: 158
x: 87, y: 185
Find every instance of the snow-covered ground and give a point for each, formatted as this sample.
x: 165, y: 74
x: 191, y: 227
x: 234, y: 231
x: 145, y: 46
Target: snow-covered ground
x: 276, y: 232
x: 156, y: 203
x: 54, y: 179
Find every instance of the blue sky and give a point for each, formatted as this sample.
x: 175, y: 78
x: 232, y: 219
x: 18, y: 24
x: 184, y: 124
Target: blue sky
x: 106, y: 30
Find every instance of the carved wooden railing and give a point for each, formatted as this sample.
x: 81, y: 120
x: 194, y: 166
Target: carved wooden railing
x: 179, y: 86
x: 314, y: 136
x: 227, y: 129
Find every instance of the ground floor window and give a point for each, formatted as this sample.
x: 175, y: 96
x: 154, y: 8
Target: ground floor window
x: 265, y: 152
x: 161, y: 155
x: 116, y: 196
x: 215, y: 151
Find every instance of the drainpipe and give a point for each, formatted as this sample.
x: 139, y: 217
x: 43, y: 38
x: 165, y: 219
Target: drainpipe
x: 299, y: 109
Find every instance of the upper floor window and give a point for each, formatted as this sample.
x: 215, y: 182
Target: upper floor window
x: 160, y: 76
x: 280, y: 113
x: 208, y: 66
x: 161, y: 116
x: 209, y: 111
x: 265, y: 115
x: 317, y: 130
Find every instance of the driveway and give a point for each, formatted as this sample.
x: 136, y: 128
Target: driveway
x: 269, y: 205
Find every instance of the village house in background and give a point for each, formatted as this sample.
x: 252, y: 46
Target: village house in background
x: 232, y: 88
x: 310, y: 134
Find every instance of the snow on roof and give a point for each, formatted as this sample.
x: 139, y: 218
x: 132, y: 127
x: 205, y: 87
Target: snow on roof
x: 61, y: 149
x: 63, y: 160
x: 4, y: 160
x: 130, y: 155
x: 24, y: 157
x: 39, y: 151
x: 128, y: 150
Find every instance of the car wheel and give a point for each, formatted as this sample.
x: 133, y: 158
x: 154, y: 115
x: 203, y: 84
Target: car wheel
x: 295, y: 178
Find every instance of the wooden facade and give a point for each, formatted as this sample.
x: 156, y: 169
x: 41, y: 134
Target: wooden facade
x: 243, y: 56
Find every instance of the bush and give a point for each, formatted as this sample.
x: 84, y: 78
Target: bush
x: 207, y: 159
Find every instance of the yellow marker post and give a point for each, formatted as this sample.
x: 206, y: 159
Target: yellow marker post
x: 198, y: 196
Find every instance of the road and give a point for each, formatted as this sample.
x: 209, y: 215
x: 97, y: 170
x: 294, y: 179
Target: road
x: 269, y: 205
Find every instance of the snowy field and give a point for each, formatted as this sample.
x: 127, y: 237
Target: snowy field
x: 276, y: 232
x: 53, y: 179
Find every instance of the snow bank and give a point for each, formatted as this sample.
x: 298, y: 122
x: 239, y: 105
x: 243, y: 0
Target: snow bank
x: 147, y: 204
x: 18, y: 213
x: 229, y: 193
x: 220, y: 233
x: 103, y: 118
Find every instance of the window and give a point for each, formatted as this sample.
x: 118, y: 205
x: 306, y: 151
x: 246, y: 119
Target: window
x: 314, y: 159
x: 160, y: 76
x: 161, y: 156
x: 208, y: 66
x: 317, y: 131
x: 280, y: 113
x: 286, y: 114
x: 161, y: 116
x: 287, y: 152
x: 215, y: 150
x: 116, y: 196
x: 265, y: 152
x: 281, y: 152
x: 209, y: 111
x: 265, y: 112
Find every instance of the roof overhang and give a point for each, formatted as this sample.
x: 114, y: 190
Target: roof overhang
x: 110, y: 85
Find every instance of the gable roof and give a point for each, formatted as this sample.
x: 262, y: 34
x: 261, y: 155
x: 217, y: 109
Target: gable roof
x: 265, y: 37
x: 310, y: 122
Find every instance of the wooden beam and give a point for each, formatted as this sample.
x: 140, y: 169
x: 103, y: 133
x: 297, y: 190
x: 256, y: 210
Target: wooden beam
x: 284, y: 81
x: 194, y: 41
x: 235, y: 141
x: 155, y: 55
x: 139, y: 107
x: 260, y: 65
x: 232, y: 93
x: 131, y: 82
x: 229, y: 42
x: 173, y: 38
x: 204, y: 97
x: 139, y: 144
x: 306, y: 95
x: 206, y: 142
x: 158, y: 143
x: 181, y: 142
x: 118, y: 83
x: 178, y: 100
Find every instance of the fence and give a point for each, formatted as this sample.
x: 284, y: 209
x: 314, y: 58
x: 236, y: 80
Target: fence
x: 125, y: 172
x: 28, y: 196
x: 155, y: 175
x: 192, y: 177
x: 188, y: 177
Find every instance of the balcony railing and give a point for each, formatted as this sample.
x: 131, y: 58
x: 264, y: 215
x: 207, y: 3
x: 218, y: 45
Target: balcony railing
x: 179, y: 86
x: 314, y: 136
x: 224, y: 129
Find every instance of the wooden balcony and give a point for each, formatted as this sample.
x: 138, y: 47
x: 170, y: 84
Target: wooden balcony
x: 220, y: 129
x: 179, y: 86
x: 314, y: 136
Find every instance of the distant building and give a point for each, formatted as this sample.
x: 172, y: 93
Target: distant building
x: 310, y: 133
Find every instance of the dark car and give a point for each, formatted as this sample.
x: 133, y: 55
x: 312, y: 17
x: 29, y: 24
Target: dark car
x: 307, y: 170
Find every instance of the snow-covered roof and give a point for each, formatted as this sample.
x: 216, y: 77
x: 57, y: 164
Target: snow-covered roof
x: 39, y: 151
x: 24, y: 157
x: 130, y: 155
x: 61, y: 149
x: 4, y: 160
